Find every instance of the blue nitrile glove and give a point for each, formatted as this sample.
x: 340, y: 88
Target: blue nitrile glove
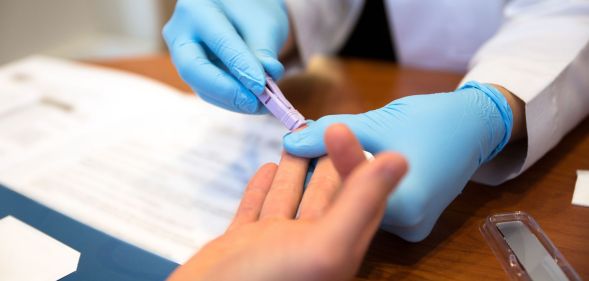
x: 222, y: 47
x: 445, y: 138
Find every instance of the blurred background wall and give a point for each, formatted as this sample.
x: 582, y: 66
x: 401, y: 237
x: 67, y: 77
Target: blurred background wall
x: 82, y: 29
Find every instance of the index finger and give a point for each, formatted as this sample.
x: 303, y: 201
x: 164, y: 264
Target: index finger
x: 283, y: 199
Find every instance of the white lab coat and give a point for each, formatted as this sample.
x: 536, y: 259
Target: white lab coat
x: 537, y: 49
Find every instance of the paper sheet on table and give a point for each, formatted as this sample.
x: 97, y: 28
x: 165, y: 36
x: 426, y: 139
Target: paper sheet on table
x: 29, y: 254
x: 581, y: 193
x: 127, y: 155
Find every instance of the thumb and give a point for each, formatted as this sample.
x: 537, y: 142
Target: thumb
x: 270, y: 62
x: 309, y: 142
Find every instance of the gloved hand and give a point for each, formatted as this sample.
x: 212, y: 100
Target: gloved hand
x: 445, y: 138
x: 222, y: 47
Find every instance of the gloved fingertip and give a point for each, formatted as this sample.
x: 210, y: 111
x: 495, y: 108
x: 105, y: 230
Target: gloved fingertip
x: 291, y: 138
x: 270, y: 63
x: 299, y: 134
x: 303, y: 146
x: 295, y: 149
x: 272, y: 66
x: 247, y: 103
x: 255, y: 83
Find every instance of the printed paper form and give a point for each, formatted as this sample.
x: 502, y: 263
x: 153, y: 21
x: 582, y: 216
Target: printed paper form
x: 162, y: 171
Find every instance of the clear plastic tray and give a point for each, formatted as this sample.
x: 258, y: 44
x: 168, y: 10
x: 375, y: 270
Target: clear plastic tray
x: 524, y: 250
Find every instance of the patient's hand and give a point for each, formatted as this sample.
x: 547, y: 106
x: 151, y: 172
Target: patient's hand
x: 326, y: 241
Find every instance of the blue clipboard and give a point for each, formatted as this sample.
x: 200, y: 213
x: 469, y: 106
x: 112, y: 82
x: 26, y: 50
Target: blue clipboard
x: 102, y: 257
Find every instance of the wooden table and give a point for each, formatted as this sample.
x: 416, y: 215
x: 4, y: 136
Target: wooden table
x: 455, y: 250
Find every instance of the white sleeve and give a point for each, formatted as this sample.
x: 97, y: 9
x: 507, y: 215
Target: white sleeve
x: 322, y: 26
x: 540, y: 54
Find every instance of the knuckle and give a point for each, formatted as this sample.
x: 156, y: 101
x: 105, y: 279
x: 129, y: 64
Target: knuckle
x: 233, y: 58
x: 167, y: 33
x: 236, y: 60
x: 219, y: 44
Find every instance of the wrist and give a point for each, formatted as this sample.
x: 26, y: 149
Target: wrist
x: 498, y: 115
x: 519, y: 113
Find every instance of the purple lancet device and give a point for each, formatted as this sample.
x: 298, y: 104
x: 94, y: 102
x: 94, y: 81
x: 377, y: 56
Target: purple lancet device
x: 276, y: 103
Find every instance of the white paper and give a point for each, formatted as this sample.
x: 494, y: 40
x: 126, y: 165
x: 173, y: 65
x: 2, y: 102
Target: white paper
x: 129, y: 156
x: 29, y: 254
x: 581, y: 193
